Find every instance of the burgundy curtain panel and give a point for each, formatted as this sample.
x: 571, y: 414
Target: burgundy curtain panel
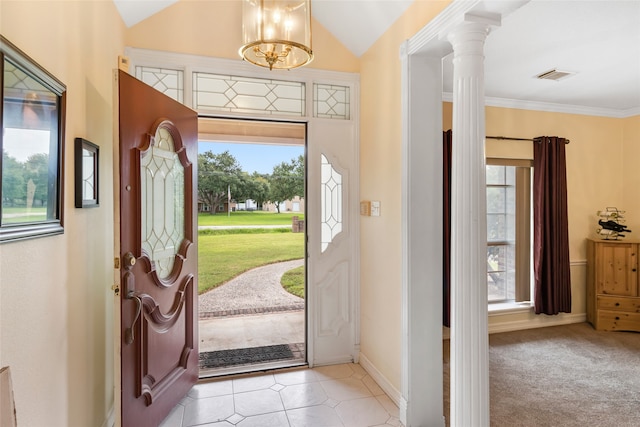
x: 446, y: 228
x: 550, y: 225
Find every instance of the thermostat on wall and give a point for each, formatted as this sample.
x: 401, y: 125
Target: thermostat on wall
x: 365, y: 208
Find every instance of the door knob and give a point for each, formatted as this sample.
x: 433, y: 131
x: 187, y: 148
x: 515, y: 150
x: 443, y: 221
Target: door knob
x: 129, y: 260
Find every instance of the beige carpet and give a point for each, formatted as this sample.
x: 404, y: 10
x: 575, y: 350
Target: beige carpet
x: 562, y: 376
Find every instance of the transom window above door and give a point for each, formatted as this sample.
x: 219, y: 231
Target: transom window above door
x: 226, y: 93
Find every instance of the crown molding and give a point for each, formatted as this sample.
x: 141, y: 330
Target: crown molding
x: 553, y: 107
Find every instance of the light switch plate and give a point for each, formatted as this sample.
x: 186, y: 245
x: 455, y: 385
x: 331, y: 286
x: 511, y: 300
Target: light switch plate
x: 375, y: 208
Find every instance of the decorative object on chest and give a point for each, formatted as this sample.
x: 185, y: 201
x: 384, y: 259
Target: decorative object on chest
x: 613, y: 292
x: 611, y: 224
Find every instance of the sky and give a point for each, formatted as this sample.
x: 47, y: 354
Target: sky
x: 22, y: 143
x: 259, y: 158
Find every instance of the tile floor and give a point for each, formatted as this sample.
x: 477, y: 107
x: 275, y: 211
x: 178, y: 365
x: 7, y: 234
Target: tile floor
x: 339, y: 395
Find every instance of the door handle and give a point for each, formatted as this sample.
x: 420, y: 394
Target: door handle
x: 129, y: 260
x: 129, y: 335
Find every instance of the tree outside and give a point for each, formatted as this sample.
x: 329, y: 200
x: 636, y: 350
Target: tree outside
x: 221, y: 256
x: 14, y: 187
x: 220, y: 175
x: 287, y: 181
x: 258, y: 187
x: 25, y: 187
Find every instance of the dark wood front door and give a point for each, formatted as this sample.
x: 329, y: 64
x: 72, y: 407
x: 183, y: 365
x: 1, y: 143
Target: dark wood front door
x: 158, y: 252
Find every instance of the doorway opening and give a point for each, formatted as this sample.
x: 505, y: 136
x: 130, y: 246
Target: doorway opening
x: 251, y: 245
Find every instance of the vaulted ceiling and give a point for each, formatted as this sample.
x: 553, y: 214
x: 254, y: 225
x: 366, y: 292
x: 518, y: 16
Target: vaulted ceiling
x: 597, y: 40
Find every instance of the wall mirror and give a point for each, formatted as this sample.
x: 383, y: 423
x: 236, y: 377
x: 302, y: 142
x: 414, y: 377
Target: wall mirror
x: 32, y: 142
x: 86, y: 158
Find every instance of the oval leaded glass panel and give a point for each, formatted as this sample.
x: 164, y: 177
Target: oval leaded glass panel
x: 162, y: 202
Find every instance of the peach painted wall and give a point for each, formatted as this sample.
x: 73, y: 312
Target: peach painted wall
x: 381, y: 179
x: 631, y: 175
x: 56, y: 308
x: 601, y: 172
x: 213, y: 28
x: 594, y: 156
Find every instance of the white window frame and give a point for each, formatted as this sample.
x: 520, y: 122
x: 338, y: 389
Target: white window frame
x: 523, y: 231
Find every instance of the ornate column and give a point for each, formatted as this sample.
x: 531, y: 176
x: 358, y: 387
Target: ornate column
x: 469, y: 332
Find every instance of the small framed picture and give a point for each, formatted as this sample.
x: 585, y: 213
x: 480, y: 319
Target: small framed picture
x: 86, y: 173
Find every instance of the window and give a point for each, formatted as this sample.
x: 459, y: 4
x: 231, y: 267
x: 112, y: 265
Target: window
x: 32, y: 147
x: 330, y: 203
x: 508, y: 230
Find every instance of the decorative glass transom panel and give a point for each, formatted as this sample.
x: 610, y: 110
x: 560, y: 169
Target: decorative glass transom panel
x: 15, y: 78
x: 162, y: 188
x: 331, y: 101
x: 169, y: 82
x: 330, y: 202
x: 248, y: 95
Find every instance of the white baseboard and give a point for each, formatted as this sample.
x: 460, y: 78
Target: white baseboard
x: 403, y: 410
x: 539, y: 321
x: 332, y: 361
x: 382, y: 381
x: 110, y: 421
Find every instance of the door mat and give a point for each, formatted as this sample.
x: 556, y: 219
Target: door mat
x: 245, y: 356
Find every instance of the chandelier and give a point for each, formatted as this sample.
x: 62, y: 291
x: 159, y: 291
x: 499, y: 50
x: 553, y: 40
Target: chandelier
x: 276, y: 33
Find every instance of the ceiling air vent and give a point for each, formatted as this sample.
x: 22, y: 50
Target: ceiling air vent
x: 555, y: 75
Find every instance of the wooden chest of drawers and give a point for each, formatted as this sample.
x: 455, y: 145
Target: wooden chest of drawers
x: 613, y: 293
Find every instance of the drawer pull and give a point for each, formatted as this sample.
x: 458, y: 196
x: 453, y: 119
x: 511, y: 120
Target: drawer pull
x: 617, y: 304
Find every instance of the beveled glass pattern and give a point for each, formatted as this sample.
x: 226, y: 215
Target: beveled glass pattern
x: 162, y: 200
x: 169, y: 82
x: 88, y: 174
x: 331, y: 101
x: 248, y: 95
x: 15, y: 78
x: 330, y: 203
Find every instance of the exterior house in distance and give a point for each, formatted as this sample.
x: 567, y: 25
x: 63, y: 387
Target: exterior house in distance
x: 294, y: 205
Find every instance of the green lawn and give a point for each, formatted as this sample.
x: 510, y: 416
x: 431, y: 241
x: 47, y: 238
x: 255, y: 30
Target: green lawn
x: 248, y: 218
x: 222, y: 257
x: 293, y: 281
x: 22, y: 214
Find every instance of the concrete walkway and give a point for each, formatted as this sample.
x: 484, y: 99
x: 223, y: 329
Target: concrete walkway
x: 256, y: 291
x: 248, y: 331
x: 252, y: 310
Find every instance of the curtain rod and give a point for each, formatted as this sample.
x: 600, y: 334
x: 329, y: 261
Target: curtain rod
x: 513, y: 139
